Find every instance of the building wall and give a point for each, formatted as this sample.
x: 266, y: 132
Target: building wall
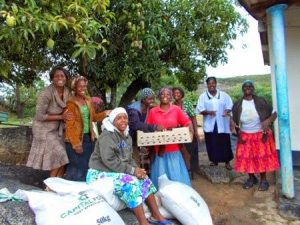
x: 292, y: 17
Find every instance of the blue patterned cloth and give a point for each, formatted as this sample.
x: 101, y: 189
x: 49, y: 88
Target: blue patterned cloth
x: 128, y: 188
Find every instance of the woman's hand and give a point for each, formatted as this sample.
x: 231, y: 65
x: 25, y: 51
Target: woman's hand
x: 159, y: 128
x: 67, y: 115
x: 211, y: 113
x: 265, y: 125
x: 233, y: 127
x: 78, y: 149
x: 227, y: 113
x: 107, y: 112
x: 140, y: 173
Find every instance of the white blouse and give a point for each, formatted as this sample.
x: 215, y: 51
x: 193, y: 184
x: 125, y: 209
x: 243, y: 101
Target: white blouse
x: 219, y: 103
x: 249, y: 121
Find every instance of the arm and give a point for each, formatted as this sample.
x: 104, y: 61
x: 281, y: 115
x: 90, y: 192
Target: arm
x: 228, y: 105
x: 43, y: 103
x: 73, y: 131
x: 201, y: 109
x: 185, y: 121
x: 135, y: 123
x: 98, y: 117
x: 267, y: 122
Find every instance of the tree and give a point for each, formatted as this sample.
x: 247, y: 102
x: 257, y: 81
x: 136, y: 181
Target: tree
x: 22, y: 99
x: 31, y: 33
x: 150, y: 39
x: 142, y: 42
x: 36, y: 34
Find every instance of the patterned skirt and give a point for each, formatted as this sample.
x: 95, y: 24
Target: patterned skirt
x: 256, y: 156
x: 128, y: 188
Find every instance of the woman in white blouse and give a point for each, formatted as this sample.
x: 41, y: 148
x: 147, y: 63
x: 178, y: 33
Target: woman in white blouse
x: 215, y: 106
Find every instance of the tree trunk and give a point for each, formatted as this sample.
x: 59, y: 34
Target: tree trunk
x: 113, y: 95
x: 83, y: 65
x: 132, y: 91
x: 20, y: 106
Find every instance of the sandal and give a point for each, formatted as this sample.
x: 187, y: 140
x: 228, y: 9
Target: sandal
x: 263, y: 186
x: 161, y: 222
x: 228, y: 166
x: 250, y: 182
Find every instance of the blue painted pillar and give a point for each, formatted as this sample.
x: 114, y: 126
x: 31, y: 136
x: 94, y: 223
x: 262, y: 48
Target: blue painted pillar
x: 279, y: 55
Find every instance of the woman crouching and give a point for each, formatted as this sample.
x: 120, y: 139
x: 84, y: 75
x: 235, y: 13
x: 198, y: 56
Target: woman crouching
x: 112, y: 157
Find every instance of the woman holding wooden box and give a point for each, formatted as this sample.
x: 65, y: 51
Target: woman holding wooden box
x: 168, y: 158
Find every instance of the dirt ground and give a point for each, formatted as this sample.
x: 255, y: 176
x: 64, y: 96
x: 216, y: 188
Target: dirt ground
x: 230, y: 204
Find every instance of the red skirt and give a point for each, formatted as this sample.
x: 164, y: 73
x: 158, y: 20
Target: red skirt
x: 254, y: 156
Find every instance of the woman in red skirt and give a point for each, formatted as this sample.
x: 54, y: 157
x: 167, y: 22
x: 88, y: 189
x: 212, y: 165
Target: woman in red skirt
x: 256, y: 153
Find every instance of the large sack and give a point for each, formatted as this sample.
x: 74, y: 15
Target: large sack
x: 88, y: 207
x: 164, y: 212
x: 105, y: 187
x: 183, y: 202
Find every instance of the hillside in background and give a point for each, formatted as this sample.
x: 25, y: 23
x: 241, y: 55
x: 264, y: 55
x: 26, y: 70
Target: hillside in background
x: 233, y: 86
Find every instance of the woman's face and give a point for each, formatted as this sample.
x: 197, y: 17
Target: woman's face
x: 248, y: 89
x: 165, y: 97
x: 59, y: 78
x: 148, y: 101
x: 121, y: 122
x: 177, y: 95
x: 81, y: 88
x: 211, y: 85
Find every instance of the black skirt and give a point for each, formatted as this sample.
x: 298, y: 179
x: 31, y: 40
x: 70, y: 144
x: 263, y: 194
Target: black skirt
x: 218, y: 146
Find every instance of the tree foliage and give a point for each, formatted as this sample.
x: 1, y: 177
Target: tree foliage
x: 31, y: 33
x: 151, y: 39
x: 132, y: 41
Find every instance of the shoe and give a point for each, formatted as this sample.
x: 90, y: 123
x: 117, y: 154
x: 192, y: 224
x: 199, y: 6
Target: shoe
x: 157, y: 222
x: 250, y: 182
x: 228, y: 166
x: 263, y: 186
x: 213, y: 164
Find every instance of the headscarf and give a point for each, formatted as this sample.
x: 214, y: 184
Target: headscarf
x: 248, y: 82
x: 146, y: 92
x: 107, y: 123
x: 165, y: 89
x: 76, y: 80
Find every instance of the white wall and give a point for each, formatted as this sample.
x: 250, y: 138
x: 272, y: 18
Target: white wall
x: 292, y: 17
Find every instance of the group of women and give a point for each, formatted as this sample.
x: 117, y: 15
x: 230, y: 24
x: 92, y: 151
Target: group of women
x: 63, y: 137
x: 250, y: 119
x: 63, y: 143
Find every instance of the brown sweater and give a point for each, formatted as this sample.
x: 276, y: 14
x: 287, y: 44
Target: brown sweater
x: 74, y: 127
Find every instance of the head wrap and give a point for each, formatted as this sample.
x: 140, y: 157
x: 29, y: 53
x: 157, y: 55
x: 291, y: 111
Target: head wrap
x: 248, y: 82
x: 97, y: 100
x: 76, y: 80
x: 107, y: 123
x: 165, y: 89
x: 146, y: 92
x: 113, y: 114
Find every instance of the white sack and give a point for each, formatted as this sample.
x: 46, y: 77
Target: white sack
x: 183, y: 202
x: 164, y: 212
x: 104, y: 186
x: 86, y: 208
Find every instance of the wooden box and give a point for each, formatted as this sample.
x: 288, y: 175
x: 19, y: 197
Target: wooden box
x: 174, y: 136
